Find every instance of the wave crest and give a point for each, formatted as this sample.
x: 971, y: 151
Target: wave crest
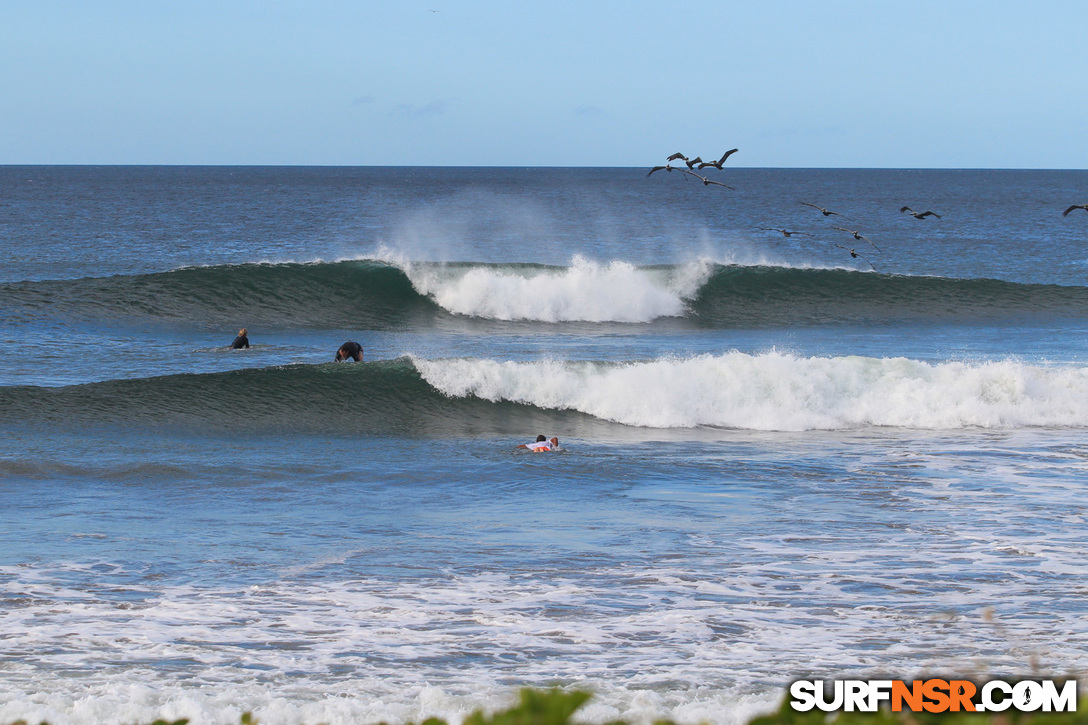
x: 399, y: 294
x: 585, y: 291
x: 775, y: 391
x: 452, y: 397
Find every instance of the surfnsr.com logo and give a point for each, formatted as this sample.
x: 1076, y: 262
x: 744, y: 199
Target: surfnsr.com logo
x: 934, y: 695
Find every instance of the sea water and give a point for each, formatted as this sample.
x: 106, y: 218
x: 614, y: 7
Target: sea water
x: 778, y: 461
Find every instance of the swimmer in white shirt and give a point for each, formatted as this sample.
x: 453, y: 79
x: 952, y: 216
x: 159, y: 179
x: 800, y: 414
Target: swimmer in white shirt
x: 542, y: 444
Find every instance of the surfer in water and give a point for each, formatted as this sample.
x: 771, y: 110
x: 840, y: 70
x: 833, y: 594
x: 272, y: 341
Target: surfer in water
x: 351, y: 350
x: 542, y: 444
x: 241, y: 341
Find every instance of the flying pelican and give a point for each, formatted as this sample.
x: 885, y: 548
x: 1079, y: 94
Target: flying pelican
x: 823, y: 211
x: 1075, y: 206
x: 706, y: 181
x: 666, y: 167
x: 691, y: 162
x: 855, y: 255
x: 676, y: 156
x: 857, y: 235
x: 785, y: 232
x: 717, y: 164
x: 918, y: 215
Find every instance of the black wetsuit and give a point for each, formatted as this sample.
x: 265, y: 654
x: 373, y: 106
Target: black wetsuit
x: 350, y: 349
x: 239, y: 342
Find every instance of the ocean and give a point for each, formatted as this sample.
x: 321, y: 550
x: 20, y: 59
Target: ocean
x: 777, y: 460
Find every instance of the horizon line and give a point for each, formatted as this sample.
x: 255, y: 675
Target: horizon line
x: 523, y: 166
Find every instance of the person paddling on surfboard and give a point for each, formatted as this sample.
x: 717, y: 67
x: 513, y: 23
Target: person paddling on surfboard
x: 542, y: 444
x: 350, y: 349
x: 241, y: 341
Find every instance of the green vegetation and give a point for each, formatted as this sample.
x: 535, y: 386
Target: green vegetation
x: 555, y: 707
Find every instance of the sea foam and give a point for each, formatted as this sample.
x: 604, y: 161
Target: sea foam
x: 778, y: 391
x: 584, y: 291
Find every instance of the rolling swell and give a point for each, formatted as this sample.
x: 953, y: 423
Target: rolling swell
x: 338, y: 294
x: 742, y: 296
x: 377, y: 398
x: 458, y: 397
x: 378, y: 295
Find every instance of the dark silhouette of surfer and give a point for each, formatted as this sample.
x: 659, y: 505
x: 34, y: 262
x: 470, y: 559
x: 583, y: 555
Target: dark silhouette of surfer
x: 241, y: 341
x: 351, y: 350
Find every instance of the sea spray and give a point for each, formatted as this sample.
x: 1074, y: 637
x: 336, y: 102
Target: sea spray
x: 584, y: 291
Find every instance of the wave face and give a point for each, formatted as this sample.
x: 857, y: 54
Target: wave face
x: 735, y: 296
x: 378, y: 398
x: 395, y: 295
x: 318, y: 294
x: 451, y: 398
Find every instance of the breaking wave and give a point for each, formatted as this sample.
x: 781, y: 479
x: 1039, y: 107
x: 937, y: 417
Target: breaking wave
x: 455, y: 397
x: 373, y: 294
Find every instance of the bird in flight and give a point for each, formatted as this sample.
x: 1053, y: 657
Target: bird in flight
x: 706, y: 181
x: 717, y: 164
x: 666, y: 167
x: 855, y: 255
x: 1075, y: 206
x: 823, y: 211
x: 857, y: 235
x: 691, y: 162
x: 676, y: 156
x: 784, y: 232
x: 918, y: 215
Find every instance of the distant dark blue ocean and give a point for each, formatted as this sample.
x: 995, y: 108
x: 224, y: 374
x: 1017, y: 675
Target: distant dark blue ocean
x: 777, y: 460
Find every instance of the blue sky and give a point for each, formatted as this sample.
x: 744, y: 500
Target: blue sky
x: 837, y: 83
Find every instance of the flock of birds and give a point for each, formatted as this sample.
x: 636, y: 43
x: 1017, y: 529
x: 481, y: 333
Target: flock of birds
x: 695, y: 163
x: 691, y: 167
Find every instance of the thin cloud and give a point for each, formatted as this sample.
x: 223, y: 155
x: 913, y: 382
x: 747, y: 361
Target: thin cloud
x: 408, y: 110
x: 587, y: 111
x: 362, y: 100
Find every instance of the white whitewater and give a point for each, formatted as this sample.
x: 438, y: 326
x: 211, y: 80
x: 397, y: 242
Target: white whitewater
x: 778, y: 391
